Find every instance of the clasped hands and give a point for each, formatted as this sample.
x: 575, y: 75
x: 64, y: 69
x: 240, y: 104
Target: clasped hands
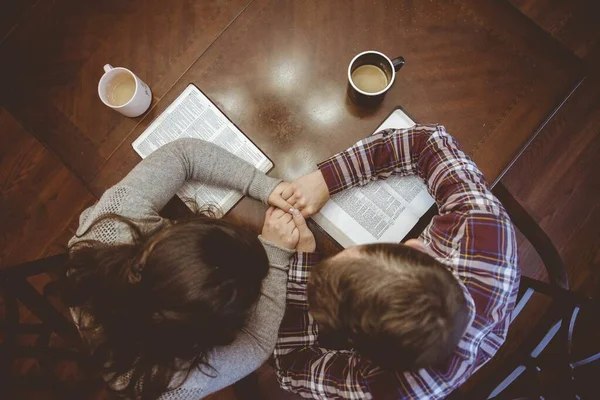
x: 291, y: 203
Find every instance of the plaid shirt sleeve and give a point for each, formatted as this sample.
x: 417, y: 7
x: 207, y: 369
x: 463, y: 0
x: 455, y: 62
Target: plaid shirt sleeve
x: 301, y: 365
x: 472, y: 235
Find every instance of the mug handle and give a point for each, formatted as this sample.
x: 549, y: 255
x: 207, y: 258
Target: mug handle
x: 397, y: 62
x: 108, y: 67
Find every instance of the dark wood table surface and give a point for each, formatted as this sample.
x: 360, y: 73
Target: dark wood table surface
x: 277, y: 68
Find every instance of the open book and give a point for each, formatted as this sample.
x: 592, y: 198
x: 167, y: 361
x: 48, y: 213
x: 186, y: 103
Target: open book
x: 380, y: 211
x: 193, y: 115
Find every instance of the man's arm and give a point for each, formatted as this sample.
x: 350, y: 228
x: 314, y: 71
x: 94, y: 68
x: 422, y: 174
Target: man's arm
x: 473, y: 234
x: 425, y: 150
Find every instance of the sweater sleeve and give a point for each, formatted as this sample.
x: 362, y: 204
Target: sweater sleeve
x: 141, y: 195
x: 255, y: 343
x: 160, y: 175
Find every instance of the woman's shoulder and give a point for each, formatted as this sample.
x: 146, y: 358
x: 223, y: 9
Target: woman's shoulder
x: 103, y: 221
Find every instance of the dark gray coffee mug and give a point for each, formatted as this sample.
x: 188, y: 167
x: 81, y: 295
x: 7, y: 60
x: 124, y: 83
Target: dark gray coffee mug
x: 379, y: 60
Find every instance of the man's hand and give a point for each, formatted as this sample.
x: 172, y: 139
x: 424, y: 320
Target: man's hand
x: 307, y: 194
x: 279, y: 228
x: 306, y: 242
x: 275, y: 198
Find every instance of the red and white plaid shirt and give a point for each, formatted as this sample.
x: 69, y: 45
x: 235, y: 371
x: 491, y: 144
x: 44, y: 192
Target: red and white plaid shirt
x: 472, y: 235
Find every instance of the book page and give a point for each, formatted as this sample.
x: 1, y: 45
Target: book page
x: 193, y: 115
x: 381, y: 211
x: 369, y: 214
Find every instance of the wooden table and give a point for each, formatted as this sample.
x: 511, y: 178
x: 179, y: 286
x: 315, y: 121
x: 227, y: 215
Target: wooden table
x: 277, y: 68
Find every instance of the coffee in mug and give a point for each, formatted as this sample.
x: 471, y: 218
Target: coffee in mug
x: 123, y: 91
x: 370, y: 75
x: 369, y: 78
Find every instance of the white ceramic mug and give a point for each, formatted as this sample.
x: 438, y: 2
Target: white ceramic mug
x: 121, y: 90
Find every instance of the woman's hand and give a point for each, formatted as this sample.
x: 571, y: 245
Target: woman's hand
x: 279, y: 228
x: 275, y: 198
x: 306, y: 241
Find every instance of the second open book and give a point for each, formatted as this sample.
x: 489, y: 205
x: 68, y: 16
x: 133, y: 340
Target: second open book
x: 380, y: 211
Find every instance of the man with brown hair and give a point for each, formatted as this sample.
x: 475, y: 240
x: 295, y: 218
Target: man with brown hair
x: 418, y: 318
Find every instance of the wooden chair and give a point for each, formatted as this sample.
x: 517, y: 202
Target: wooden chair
x: 15, y: 288
x: 556, y: 325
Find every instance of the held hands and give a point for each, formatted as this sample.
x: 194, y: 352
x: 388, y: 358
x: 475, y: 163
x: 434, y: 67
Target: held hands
x: 302, y: 198
x: 280, y: 228
x: 275, y: 198
x: 288, y: 230
x: 307, y: 194
x: 306, y: 241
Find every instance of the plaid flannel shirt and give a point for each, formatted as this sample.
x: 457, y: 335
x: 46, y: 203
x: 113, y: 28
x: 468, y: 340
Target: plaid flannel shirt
x: 472, y: 235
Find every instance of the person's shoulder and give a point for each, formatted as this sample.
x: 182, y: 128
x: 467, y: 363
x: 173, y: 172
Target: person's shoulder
x: 481, y: 244
x: 104, y: 222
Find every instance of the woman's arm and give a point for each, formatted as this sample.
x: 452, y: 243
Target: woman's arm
x: 255, y: 343
x: 159, y: 176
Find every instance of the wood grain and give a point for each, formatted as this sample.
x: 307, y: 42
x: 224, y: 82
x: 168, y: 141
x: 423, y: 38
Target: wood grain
x: 40, y: 201
x: 57, y: 57
x: 556, y: 178
x: 572, y: 22
x: 549, y: 190
x: 491, y: 87
x: 11, y: 13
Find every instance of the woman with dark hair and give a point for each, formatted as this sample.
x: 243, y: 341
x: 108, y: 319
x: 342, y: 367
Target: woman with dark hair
x: 179, y: 309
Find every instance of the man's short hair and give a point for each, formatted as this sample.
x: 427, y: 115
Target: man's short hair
x: 396, y: 305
